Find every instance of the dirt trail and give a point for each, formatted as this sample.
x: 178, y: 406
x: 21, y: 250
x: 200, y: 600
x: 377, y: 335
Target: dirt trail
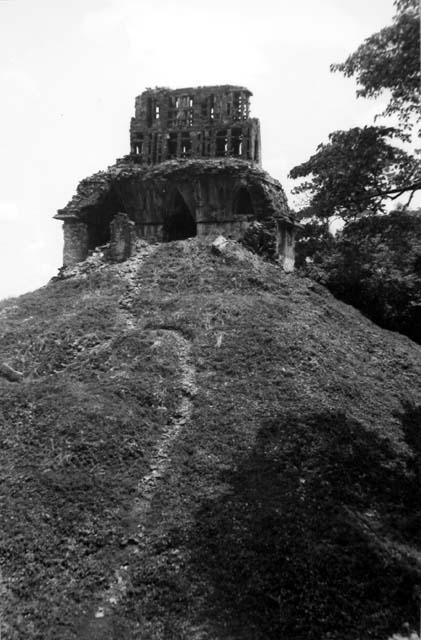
x: 97, y: 625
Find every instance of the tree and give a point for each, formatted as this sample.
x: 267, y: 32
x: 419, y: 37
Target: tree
x: 358, y: 170
x: 355, y: 173
x: 390, y: 60
x: 375, y: 265
x: 313, y: 240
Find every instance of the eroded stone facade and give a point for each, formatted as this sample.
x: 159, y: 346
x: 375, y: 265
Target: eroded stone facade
x: 162, y: 193
x: 202, y: 122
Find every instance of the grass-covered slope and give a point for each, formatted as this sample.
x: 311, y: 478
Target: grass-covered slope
x: 205, y: 447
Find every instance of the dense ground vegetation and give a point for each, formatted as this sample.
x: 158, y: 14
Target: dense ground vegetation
x: 290, y: 503
x: 374, y: 263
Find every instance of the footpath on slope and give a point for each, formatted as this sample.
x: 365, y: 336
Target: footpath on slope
x: 96, y: 626
x: 249, y: 348
x: 277, y: 510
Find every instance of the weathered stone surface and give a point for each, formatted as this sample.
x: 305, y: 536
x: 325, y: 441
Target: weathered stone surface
x: 76, y: 240
x: 122, y: 237
x: 194, y: 122
x: 219, y: 244
x: 139, y: 188
x: 231, y: 250
x: 220, y: 196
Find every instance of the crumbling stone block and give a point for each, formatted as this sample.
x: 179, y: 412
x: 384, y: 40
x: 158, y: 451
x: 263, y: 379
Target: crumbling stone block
x: 123, y: 237
x: 232, y: 251
x: 219, y: 244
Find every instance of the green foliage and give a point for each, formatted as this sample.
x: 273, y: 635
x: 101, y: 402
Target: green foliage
x: 390, y: 61
x: 355, y: 172
x: 260, y: 237
x: 375, y: 265
x: 313, y: 241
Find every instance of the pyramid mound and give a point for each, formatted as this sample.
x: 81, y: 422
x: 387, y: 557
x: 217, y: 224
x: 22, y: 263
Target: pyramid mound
x: 204, y: 446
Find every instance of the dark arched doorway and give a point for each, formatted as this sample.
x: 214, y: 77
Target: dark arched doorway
x: 179, y: 223
x: 98, y: 218
x: 242, y: 203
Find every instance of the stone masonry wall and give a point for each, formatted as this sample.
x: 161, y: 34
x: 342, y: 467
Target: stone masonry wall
x: 75, y: 247
x: 218, y: 196
x: 205, y: 122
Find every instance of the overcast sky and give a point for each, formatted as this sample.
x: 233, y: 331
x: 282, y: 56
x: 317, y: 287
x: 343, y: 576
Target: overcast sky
x: 70, y: 70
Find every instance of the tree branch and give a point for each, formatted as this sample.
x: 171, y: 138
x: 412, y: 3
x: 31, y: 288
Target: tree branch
x: 409, y: 200
x: 398, y: 190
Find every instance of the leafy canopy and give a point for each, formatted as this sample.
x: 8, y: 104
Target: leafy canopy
x: 355, y: 172
x: 390, y: 60
x: 358, y: 170
x: 375, y: 265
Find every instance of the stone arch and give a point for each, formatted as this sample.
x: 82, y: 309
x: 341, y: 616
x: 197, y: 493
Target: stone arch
x: 99, y: 216
x: 179, y: 222
x: 242, y: 203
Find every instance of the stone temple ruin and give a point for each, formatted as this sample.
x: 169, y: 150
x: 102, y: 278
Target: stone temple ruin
x: 194, y: 170
x: 207, y: 122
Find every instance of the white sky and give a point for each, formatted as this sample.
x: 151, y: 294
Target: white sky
x: 70, y: 70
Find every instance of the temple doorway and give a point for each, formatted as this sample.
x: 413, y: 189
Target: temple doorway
x: 179, y: 223
x: 242, y: 203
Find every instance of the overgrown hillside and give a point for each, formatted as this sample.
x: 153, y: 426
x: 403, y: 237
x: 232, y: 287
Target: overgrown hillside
x: 203, y: 447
